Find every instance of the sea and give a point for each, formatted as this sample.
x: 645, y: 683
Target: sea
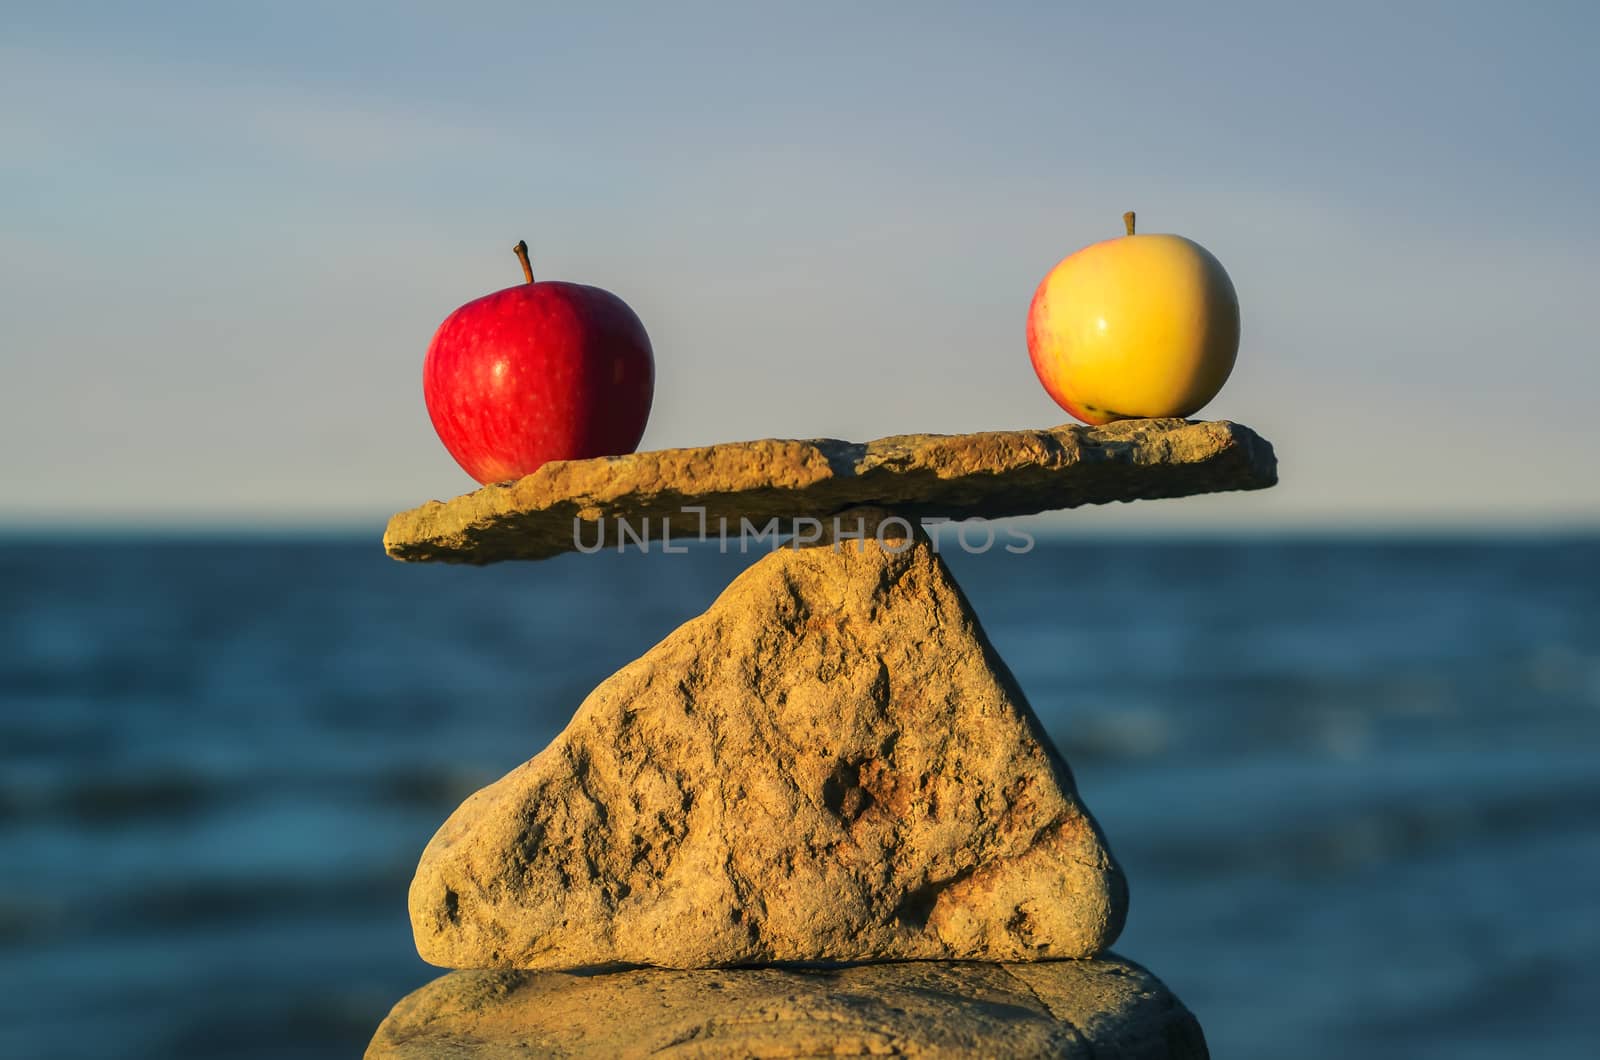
x: 1354, y: 781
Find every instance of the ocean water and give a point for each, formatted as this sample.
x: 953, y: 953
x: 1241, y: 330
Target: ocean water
x: 1354, y: 783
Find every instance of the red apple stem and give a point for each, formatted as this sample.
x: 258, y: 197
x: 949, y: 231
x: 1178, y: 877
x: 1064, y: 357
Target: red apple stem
x: 1127, y: 219
x: 522, y: 255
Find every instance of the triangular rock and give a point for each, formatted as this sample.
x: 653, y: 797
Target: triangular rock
x: 829, y: 764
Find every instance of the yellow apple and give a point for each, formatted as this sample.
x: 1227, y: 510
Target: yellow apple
x: 1141, y: 325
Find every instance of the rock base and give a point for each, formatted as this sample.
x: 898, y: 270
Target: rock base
x: 1105, y: 1008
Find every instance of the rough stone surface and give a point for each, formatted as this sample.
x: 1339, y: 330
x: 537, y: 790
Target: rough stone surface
x: 1105, y: 1009
x: 1000, y: 473
x: 830, y: 763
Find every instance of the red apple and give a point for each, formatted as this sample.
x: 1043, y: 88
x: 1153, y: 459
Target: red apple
x: 538, y: 372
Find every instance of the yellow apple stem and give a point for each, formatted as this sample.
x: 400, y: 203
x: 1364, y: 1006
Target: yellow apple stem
x: 1127, y: 219
x: 522, y: 255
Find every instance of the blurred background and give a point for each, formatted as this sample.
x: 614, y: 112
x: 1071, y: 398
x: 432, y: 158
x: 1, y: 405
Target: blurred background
x: 1342, y: 733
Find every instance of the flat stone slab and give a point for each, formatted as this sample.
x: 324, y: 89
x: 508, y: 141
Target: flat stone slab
x: 1075, y: 1009
x: 961, y: 476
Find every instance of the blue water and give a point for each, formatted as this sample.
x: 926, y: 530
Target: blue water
x: 1353, y: 783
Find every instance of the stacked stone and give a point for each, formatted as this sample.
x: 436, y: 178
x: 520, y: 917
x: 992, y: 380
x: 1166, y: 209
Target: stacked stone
x: 819, y: 818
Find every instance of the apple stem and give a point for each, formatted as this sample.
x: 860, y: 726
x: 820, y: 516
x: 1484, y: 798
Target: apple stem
x: 1127, y: 219
x: 522, y: 255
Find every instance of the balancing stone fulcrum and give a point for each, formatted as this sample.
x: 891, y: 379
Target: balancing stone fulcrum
x: 819, y: 818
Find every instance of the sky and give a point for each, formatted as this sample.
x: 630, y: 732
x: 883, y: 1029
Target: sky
x: 228, y: 232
